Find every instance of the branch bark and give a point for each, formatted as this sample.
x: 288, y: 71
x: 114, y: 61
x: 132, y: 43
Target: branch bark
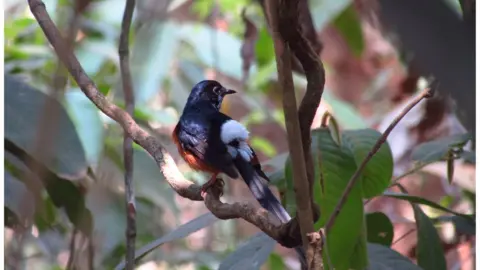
x: 124, y: 54
x: 301, y: 182
x: 290, y: 29
x: 286, y: 234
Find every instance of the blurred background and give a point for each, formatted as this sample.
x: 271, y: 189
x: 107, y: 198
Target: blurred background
x: 370, y: 76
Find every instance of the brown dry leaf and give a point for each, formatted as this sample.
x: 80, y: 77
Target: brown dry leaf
x: 248, y: 47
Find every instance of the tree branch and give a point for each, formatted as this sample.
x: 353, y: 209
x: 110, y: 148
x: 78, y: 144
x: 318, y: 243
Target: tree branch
x: 307, y: 51
x: 301, y: 182
x: 286, y: 234
x: 123, y: 52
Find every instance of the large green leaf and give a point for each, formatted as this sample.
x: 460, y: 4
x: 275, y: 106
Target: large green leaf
x: 182, y: 231
x: 437, y: 150
x: 346, y: 115
x: 379, y: 229
x: 324, y: 11
x: 152, y: 58
x: 214, y: 48
x: 349, y: 26
x: 275, y: 261
x: 377, y: 174
x: 462, y: 224
x: 18, y: 199
x: 250, y: 255
x: 92, y: 54
x: 420, y: 200
x: 88, y: 124
x: 24, y: 106
x: 336, y: 165
x: 384, y: 258
x: 147, y: 178
x: 45, y: 212
x: 430, y: 255
x: 264, y: 51
x: 62, y: 192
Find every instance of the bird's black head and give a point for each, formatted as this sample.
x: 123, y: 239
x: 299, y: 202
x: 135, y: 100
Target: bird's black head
x: 208, y: 90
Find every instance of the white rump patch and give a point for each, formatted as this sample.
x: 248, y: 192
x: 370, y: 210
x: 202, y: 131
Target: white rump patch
x: 233, y: 130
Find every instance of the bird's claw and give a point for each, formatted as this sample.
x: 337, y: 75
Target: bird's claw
x: 215, y: 183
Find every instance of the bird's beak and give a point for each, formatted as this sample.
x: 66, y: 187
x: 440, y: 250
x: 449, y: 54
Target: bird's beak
x: 229, y: 91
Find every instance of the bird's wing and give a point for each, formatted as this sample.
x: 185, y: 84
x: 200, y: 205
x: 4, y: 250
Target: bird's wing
x: 235, y: 136
x: 197, y: 136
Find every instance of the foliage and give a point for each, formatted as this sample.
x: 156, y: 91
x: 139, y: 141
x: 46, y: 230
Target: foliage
x: 81, y: 186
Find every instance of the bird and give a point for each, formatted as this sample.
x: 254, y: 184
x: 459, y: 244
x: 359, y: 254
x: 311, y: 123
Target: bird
x: 212, y: 142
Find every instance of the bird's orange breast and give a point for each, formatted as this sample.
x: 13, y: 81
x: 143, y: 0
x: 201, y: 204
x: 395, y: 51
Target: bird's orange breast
x: 193, y: 161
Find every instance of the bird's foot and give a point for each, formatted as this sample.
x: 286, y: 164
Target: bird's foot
x: 215, y: 183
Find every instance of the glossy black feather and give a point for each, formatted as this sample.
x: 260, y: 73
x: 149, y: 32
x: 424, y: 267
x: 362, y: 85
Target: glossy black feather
x: 200, y: 134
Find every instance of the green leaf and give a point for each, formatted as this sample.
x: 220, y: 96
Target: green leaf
x: 345, y: 114
x: 159, y: 45
x: 262, y: 144
x: 275, y: 262
x: 63, y: 192
x: 264, y: 51
x: 250, y: 255
x: 438, y: 150
x: 24, y: 106
x: 462, y: 224
x: 88, y: 124
x: 335, y: 130
x: 468, y: 156
x: 324, y: 11
x: 202, y: 7
x: 199, y: 36
x: 336, y: 166
x: 384, y: 258
x: 377, y: 174
x: 18, y: 199
x: 14, y: 28
x: 152, y: 186
x: 379, y: 229
x: 92, y: 54
x: 420, y: 200
x: 430, y: 255
x: 45, y: 213
x: 182, y: 231
x: 349, y: 26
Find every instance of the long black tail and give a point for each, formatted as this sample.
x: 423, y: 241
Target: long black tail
x: 265, y: 197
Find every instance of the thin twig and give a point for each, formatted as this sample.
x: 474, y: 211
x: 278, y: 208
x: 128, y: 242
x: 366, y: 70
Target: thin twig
x: 300, y: 180
x: 425, y: 93
x: 60, y: 79
x: 403, y: 236
x: 90, y: 253
x: 123, y: 52
x: 400, y: 177
x: 72, y: 248
x: 286, y: 234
